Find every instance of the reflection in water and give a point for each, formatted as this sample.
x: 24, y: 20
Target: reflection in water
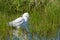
x: 29, y: 36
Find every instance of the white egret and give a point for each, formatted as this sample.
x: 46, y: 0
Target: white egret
x: 20, y: 22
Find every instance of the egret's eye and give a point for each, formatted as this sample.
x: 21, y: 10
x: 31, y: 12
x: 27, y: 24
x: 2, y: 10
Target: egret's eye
x: 26, y: 16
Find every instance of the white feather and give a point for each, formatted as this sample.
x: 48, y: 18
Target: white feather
x: 21, y: 21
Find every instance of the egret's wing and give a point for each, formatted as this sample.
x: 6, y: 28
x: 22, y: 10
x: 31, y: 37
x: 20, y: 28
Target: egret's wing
x: 18, y: 21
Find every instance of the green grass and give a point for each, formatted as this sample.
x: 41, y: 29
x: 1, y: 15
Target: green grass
x: 44, y: 19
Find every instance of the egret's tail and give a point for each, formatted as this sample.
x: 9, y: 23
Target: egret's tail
x: 10, y: 24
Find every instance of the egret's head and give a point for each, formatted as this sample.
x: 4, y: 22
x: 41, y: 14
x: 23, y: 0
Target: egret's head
x: 26, y: 15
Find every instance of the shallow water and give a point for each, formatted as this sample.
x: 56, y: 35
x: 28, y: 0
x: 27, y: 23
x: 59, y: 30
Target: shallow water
x: 35, y: 37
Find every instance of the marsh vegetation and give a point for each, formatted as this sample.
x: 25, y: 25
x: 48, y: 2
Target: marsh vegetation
x: 44, y: 16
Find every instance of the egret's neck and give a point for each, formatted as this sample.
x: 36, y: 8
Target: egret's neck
x: 26, y: 19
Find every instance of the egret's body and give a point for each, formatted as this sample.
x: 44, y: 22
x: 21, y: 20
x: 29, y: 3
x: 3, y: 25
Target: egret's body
x: 20, y: 22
